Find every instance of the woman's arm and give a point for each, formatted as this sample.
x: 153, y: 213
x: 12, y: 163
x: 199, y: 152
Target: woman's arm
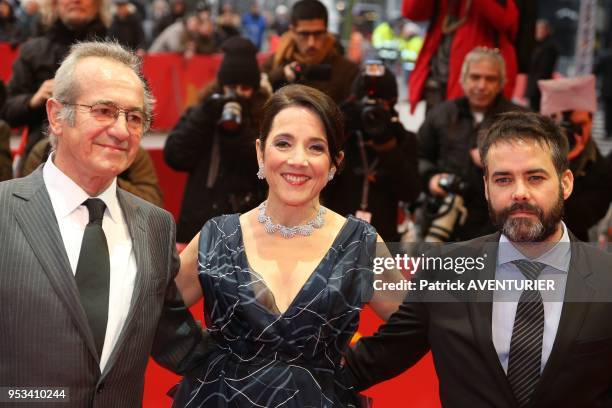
x: 385, y: 302
x: 187, y: 280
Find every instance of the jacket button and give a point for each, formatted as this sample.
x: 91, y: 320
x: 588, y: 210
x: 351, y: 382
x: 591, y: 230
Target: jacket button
x: 100, y: 388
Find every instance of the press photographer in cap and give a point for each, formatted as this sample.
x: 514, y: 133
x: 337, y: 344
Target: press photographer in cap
x: 213, y: 141
x: 572, y: 102
x: 380, y: 162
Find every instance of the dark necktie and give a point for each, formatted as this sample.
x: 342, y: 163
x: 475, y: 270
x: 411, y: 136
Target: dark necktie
x: 525, y: 357
x: 93, y: 272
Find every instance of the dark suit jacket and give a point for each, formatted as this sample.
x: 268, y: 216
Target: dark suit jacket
x: 45, y: 339
x: 578, y: 372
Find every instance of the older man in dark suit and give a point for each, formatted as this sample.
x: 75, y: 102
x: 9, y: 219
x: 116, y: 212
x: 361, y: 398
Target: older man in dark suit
x: 526, y: 347
x: 87, y: 269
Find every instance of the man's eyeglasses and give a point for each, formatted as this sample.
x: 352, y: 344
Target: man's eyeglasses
x: 304, y: 35
x: 107, y: 113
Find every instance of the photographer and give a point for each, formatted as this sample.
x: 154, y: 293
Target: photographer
x: 447, y: 141
x: 214, y: 142
x: 572, y: 102
x: 307, y: 54
x: 380, y: 162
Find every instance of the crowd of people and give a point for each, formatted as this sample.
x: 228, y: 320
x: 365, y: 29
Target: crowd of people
x: 149, y: 26
x: 297, y: 170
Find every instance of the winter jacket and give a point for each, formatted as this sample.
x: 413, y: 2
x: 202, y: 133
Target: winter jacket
x: 445, y: 139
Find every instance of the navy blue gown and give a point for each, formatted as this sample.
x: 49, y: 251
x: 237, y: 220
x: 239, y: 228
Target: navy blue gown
x: 270, y: 359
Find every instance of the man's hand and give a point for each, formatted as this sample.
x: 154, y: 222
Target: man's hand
x: 434, y: 185
x: 289, y: 71
x: 44, y: 92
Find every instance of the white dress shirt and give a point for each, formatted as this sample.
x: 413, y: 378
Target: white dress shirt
x: 557, y: 260
x: 72, y: 216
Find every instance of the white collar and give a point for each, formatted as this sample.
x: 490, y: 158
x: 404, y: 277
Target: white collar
x: 66, y: 195
x: 557, y: 257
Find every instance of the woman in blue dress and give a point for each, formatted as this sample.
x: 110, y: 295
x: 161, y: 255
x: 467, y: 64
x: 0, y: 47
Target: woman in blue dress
x: 284, y: 283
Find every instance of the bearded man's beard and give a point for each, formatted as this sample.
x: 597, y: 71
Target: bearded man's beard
x: 523, y: 229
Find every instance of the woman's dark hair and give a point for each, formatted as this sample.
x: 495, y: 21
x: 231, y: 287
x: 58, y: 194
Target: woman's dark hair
x: 314, y: 100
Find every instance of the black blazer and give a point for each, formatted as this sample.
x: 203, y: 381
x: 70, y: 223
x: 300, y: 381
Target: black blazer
x: 578, y: 372
x: 45, y: 339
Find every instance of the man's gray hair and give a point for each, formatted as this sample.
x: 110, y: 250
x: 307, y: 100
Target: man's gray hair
x: 49, y: 14
x: 66, y: 87
x: 481, y: 53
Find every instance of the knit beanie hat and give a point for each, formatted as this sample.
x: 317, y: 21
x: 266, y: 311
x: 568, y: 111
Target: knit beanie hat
x: 239, y: 65
x: 567, y: 94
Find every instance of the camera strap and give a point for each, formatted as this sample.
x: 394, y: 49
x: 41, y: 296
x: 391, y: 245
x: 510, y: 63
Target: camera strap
x: 368, y: 172
x: 215, y: 159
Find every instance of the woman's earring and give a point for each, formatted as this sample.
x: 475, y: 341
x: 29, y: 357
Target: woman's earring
x: 260, y: 173
x: 330, y: 175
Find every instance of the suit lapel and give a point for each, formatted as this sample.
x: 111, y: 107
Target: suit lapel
x: 578, y: 295
x: 480, y: 305
x: 135, y: 220
x: 37, y: 221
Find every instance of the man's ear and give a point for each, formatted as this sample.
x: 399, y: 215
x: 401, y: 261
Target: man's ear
x: 567, y: 183
x: 486, y: 188
x: 53, y: 115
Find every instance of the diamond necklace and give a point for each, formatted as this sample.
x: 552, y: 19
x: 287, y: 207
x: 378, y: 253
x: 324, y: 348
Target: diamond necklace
x: 290, y: 232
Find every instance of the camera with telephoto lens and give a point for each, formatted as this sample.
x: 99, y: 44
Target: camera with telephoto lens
x: 442, y: 214
x: 317, y: 72
x: 452, y: 184
x: 230, y: 118
x: 374, y: 116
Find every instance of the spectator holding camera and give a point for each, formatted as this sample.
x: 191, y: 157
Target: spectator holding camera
x: 447, y: 139
x: 380, y: 160
x: 307, y: 54
x: 213, y: 141
x: 572, y: 102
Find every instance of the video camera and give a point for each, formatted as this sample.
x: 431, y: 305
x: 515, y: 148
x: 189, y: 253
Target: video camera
x: 318, y: 72
x: 230, y: 118
x: 371, y: 110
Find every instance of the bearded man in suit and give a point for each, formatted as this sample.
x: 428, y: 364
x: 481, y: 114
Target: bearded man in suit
x: 526, y: 347
x: 87, y: 269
